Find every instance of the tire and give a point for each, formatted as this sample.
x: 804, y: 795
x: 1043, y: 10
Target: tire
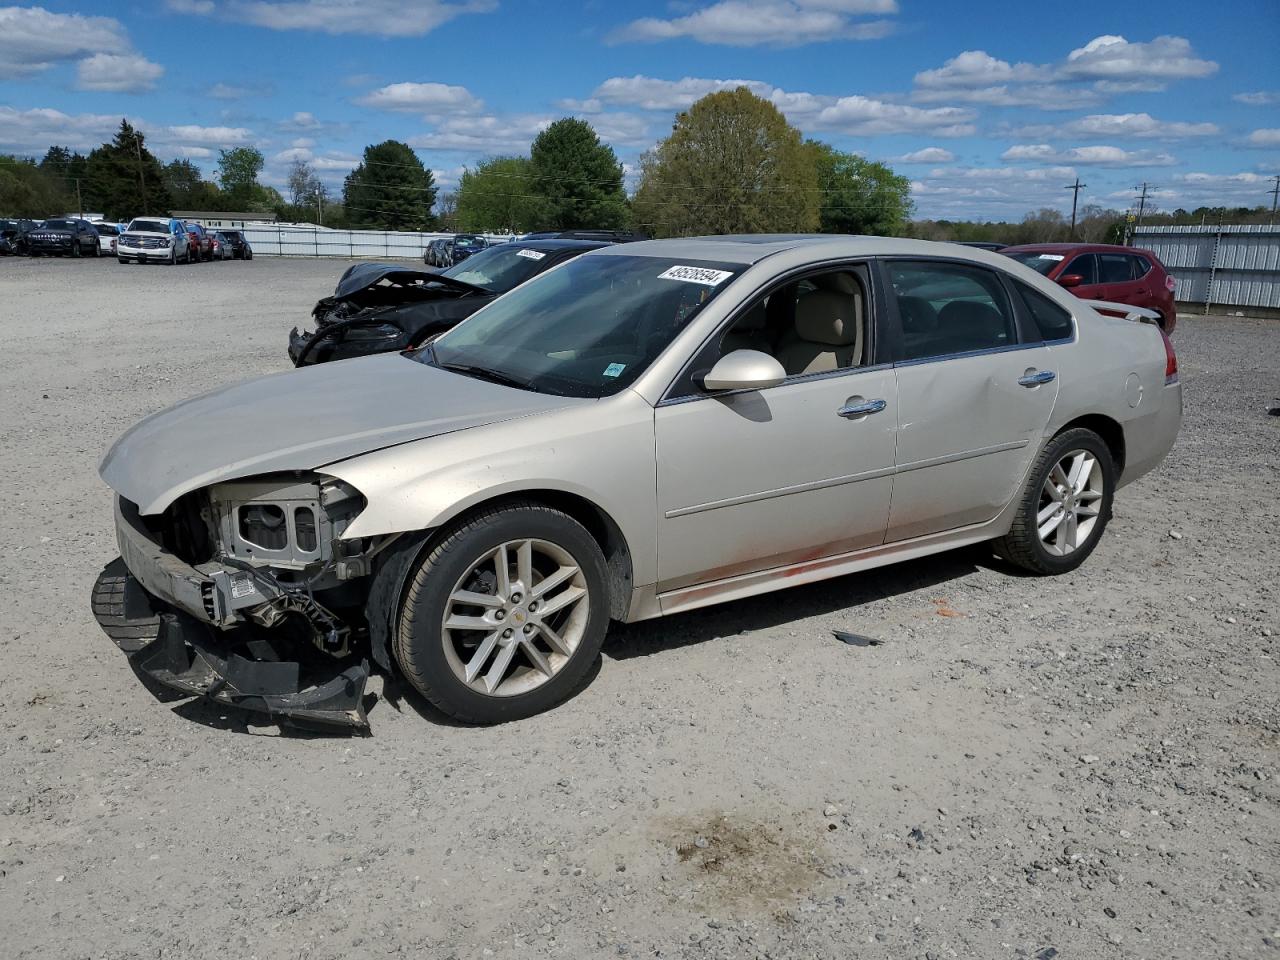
x: 1061, y: 549
x: 122, y: 261
x: 507, y: 684
x: 75, y: 249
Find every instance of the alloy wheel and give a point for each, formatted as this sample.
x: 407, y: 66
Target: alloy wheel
x: 515, y: 618
x: 1070, y: 502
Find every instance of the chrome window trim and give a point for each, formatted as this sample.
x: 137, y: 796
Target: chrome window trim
x: 970, y: 353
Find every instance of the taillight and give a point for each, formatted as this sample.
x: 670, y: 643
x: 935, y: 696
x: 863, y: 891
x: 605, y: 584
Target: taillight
x: 1170, y: 284
x: 1170, y: 359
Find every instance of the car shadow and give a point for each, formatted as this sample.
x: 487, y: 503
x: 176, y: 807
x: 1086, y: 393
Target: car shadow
x: 779, y: 607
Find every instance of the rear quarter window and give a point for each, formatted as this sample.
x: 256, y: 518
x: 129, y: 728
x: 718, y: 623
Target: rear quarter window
x: 1052, y: 321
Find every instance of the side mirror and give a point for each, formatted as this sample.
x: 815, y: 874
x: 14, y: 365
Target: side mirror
x: 1071, y: 280
x: 744, y: 370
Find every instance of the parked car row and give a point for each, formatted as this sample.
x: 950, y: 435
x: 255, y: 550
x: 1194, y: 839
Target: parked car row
x: 157, y: 240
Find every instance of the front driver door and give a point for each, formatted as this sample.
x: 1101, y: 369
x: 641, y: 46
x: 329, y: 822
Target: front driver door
x: 758, y: 480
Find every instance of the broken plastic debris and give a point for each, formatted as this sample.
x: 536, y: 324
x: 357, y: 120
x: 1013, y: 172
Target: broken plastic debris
x: 856, y: 639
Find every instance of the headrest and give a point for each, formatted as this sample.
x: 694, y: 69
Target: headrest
x: 965, y: 318
x: 918, y: 315
x: 824, y: 316
x: 839, y: 282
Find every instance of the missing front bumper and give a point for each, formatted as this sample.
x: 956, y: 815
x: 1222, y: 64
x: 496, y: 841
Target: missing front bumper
x: 234, y: 667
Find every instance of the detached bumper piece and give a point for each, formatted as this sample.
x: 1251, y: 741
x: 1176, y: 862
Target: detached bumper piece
x: 239, y: 667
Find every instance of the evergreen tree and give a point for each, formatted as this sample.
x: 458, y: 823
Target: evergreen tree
x: 579, y: 177
x: 389, y: 190
x: 123, y: 179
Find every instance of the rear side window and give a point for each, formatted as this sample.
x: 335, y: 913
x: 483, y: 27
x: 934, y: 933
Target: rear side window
x: 1086, y: 267
x: 1114, y: 268
x: 948, y: 308
x: 1052, y: 322
x: 1141, y: 267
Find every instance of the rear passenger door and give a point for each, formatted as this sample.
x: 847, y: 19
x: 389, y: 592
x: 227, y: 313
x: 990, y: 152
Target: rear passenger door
x: 976, y: 387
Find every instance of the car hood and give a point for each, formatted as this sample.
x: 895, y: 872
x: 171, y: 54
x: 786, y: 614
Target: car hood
x: 362, y: 276
x: 302, y: 420
x: 144, y: 233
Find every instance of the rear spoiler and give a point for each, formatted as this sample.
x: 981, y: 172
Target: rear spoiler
x: 1126, y: 310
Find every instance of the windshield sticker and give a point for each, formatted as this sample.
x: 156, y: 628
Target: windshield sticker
x: 614, y: 369
x: 1050, y: 256
x: 531, y: 254
x: 702, y: 275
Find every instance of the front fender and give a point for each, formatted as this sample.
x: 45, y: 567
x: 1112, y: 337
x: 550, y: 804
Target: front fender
x: 602, y: 452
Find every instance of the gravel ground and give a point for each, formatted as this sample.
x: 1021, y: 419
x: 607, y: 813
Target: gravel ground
x: 1078, y: 767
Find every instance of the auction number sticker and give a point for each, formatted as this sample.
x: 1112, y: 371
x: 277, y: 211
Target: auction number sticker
x: 703, y: 275
x: 1050, y: 256
x: 530, y: 254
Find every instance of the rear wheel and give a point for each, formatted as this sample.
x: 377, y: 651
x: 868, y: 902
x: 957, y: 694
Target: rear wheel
x: 1064, y: 507
x: 505, y: 616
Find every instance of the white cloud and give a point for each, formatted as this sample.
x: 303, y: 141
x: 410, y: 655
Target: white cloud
x: 650, y: 93
x: 195, y: 153
x: 384, y: 18
x: 621, y: 129
x: 31, y: 131
x: 1044, y: 96
x: 118, y: 73
x: 32, y: 39
x: 779, y: 23
x: 302, y: 143
x: 1265, y: 138
x: 425, y: 98
x: 1113, y: 58
x: 977, y: 68
x: 1102, y: 156
x: 865, y: 116
x: 1258, y: 98
x: 1120, y: 126
x: 484, y: 135
x: 223, y: 91
x: 927, y: 155
x: 205, y: 136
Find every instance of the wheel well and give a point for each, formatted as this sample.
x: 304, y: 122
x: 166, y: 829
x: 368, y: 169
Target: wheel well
x: 603, y: 529
x: 1112, y: 435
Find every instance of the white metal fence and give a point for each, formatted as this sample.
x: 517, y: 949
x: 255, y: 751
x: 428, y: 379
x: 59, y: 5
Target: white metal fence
x: 284, y: 240
x: 1228, y: 265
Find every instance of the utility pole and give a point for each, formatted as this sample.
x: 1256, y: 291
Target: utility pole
x: 1075, y: 196
x: 319, y: 208
x: 1142, y: 202
x: 142, y: 180
x: 1275, y: 195
x: 79, y: 201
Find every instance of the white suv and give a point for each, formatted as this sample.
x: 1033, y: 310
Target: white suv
x: 157, y: 240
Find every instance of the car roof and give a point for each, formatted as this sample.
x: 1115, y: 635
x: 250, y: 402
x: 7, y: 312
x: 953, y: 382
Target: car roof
x: 552, y: 245
x: 1071, y: 248
x: 747, y: 249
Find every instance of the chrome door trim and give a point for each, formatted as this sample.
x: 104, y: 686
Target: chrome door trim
x: 1010, y: 348
x: 957, y: 457
x: 799, y: 378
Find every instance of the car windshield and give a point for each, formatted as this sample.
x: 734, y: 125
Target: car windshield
x: 106, y: 229
x: 498, y: 269
x: 150, y: 226
x: 59, y: 225
x: 1040, y: 262
x: 586, y: 329
x: 468, y: 242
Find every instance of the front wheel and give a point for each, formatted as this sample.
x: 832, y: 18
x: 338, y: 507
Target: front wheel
x: 1064, y: 507
x: 505, y: 616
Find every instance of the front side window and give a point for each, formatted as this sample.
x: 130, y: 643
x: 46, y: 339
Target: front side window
x: 586, y: 329
x: 949, y: 308
x: 1114, y: 268
x: 1085, y: 267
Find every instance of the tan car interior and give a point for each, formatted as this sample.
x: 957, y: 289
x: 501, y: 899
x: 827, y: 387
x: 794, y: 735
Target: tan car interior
x: 811, y: 326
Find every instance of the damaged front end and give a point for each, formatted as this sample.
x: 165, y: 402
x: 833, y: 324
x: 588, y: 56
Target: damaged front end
x: 246, y: 593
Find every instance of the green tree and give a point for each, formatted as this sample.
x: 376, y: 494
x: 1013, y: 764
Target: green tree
x: 123, y: 178
x: 859, y: 195
x: 189, y: 189
x: 500, y: 194
x: 579, y: 178
x: 28, y: 191
x: 389, y: 190
x: 731, y: 165
x: 238, y: 170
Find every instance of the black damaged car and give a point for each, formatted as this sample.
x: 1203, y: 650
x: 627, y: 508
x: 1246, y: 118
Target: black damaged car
x: 385, y: 307
x: 13, y: 237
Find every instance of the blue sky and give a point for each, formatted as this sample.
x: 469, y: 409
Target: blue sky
x: 990, y: 108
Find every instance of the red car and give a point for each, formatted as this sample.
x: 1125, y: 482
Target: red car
x: 199, y: 240
x: 1099, y: 271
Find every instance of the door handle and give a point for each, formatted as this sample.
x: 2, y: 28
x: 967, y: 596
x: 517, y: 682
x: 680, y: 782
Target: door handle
x: 852, y: 411
x: 1037, y: 378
